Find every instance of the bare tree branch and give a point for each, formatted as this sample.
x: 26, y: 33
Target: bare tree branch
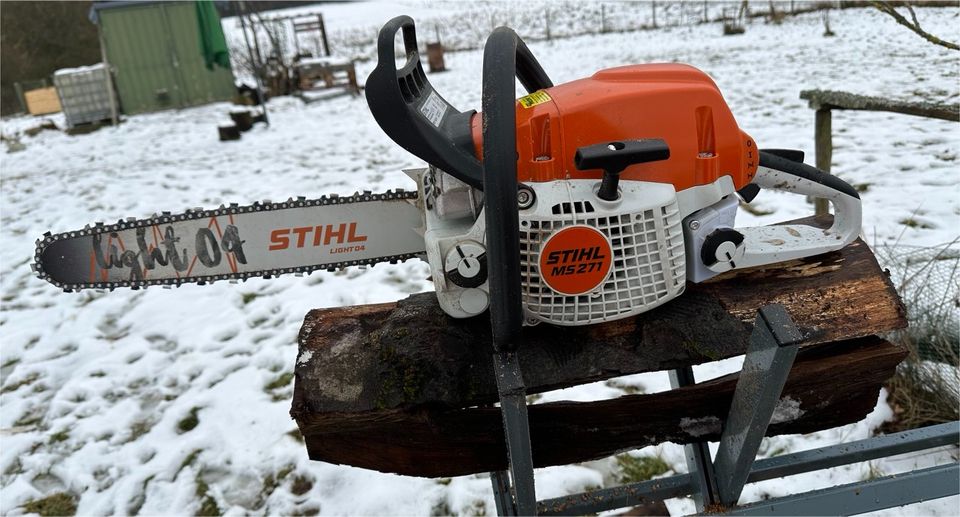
x: 887, y: 7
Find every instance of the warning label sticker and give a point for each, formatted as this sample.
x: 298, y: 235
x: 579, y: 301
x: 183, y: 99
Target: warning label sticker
x: 434, y: 108
x: 537, y: 97
x: 576, y: 260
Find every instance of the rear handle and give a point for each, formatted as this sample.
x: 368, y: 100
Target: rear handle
x: 418, y: 118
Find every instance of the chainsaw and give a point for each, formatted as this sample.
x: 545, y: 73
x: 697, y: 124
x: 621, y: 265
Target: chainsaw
x: 588, y: 201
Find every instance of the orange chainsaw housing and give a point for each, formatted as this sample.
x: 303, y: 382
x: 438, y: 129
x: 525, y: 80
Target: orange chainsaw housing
x: 674, y: 102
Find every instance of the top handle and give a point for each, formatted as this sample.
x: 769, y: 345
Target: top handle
x: 505, y: 56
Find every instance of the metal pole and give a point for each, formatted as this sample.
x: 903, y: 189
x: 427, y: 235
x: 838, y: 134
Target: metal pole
x: 513, y: 406
x: 770, y: 354
x: 863, y: 496
x: 501, y: 493
x: 258, y: 64
x: 256, y: 68
x: 323, y: 34
x: 697, y: 454
x: 246, y: 41
x: 103, y: 57
x: 787, y: 465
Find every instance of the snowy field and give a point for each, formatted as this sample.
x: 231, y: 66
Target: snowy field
x: 173, y: 401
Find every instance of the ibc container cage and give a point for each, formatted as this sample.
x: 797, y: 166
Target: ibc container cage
x: 84, y: 95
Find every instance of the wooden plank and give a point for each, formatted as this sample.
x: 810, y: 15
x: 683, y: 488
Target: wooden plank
x: 409, y: 353
x: 42, y: 101
x: 829, y: 99
x: 829, y: 385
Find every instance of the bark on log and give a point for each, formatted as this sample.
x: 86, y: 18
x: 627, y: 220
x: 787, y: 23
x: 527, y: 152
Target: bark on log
x: 829, y: 385
x: 409, y: 353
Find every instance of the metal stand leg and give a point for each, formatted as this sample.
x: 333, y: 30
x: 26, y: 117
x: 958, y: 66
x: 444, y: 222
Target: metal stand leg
x: 697, y: 454
x: 501, y: 492
x: 513, y: 406
x: 773, y: 347
x: 770, y: 354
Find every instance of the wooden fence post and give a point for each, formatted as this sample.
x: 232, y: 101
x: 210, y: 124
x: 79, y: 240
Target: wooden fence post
x: 823, y: 141
x: 546, y: 15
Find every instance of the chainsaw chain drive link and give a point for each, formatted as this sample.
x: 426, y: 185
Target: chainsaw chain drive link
x: 223, y: 210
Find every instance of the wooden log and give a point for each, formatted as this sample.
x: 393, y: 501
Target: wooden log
x: 243, y: 119
x: 829, y: 385
x: 228, y: 132
x: 435, y: 57
x: 409, y: 353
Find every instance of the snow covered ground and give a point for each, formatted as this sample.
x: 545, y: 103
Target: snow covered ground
x: 168, y: 401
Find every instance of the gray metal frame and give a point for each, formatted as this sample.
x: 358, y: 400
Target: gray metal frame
x: 519, y: 499
x: 773, y: 347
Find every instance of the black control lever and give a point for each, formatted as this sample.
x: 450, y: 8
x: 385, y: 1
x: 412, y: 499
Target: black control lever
x: 613, y: 157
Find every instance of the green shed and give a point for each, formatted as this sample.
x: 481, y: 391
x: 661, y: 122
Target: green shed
x: 155, y: 51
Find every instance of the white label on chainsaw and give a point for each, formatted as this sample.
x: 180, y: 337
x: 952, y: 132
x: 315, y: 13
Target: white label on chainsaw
x: 434, y: 108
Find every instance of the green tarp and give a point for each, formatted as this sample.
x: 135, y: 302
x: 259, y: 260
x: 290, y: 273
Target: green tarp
x: 213, y: 45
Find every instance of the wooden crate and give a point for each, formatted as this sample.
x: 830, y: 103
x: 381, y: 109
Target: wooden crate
x: 42, y: 101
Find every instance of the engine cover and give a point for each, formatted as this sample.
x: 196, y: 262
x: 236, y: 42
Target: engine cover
x: 632, y: 261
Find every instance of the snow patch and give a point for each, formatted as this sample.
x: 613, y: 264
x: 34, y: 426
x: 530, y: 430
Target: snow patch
x: 305, y: 357
x: 787, y: 410
x: 700, y: 426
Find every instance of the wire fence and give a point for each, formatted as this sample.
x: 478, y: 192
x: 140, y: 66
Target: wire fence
x: 928, y: 281
x: 466, y: 28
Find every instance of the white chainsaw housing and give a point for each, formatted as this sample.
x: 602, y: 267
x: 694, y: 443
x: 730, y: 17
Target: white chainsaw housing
x: 657, y: 237
x: 643, y: 226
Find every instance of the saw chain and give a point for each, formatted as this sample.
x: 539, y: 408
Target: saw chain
x: 166, y: 218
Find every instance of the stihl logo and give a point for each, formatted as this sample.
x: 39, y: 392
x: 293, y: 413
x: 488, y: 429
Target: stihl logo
x: 283, y: 238
x: 575, y: 260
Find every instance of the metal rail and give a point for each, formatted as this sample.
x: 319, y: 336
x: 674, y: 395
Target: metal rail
x: 718, y: 483
x: 770, y: 468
